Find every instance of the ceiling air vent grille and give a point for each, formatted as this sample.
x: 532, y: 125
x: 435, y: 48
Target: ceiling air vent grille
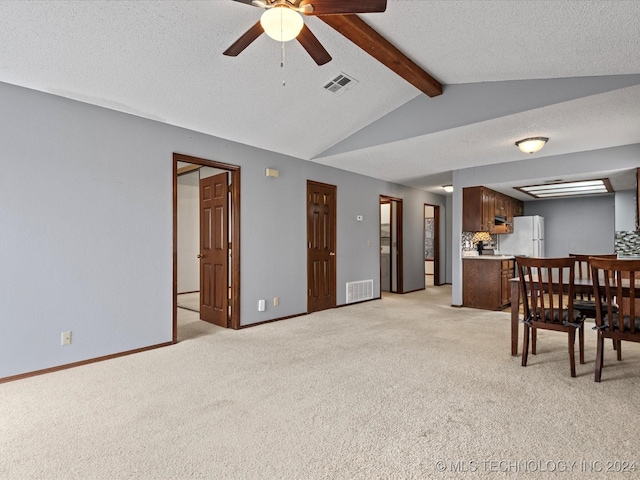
x: 340, y: 84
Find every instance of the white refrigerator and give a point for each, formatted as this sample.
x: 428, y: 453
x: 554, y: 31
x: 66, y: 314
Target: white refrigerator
x: 527, y: 238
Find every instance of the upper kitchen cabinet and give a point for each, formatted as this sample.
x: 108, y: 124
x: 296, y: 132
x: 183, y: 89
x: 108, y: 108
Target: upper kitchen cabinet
x: 485, y: 210
x: 478, y: 209
x: 518, y: 208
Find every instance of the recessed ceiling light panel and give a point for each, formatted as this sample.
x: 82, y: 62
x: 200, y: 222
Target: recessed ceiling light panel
x: 568, y: 189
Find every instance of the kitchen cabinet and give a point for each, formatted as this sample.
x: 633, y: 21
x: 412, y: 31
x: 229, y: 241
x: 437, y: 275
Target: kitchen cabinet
x: 481, y: 206
x: 478, y: 205
x: 518, y: 208
x: 501, y: 205
x: 506, y: 273
x: 485, y: 281
x: 488, y: 209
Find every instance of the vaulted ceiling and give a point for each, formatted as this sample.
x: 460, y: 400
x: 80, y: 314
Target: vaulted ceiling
x: 568, y: 70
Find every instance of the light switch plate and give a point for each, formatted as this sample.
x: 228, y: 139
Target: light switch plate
x: 65, y: 338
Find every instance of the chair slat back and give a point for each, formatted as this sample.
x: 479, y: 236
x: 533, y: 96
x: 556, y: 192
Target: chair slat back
x: 544, y: 282
x: 617, y: 281
x: 582, y: 266
x: 583, y: 270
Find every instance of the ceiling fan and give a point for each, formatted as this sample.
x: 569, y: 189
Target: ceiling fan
x: 340, y: 15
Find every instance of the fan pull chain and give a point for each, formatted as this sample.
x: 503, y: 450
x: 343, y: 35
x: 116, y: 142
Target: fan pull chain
x: 282, y: 66
x: 284, y: 84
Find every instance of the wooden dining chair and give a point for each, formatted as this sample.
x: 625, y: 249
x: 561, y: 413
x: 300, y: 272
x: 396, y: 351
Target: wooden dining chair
x: 545, y: 285
x: 615, y: 286
x: 584, y: 301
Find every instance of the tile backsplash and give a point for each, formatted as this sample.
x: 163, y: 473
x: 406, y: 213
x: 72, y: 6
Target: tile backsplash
x: 470, y: 239
x: 627, y: 243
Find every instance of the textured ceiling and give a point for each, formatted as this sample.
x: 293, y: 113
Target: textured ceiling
x: 163, y: 60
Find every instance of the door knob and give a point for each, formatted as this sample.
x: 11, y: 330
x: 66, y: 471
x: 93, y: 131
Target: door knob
x: 200, y: 256
x: 333, y: 254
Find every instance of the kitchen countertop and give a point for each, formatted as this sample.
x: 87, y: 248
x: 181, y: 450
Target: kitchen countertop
x: 488, y: 257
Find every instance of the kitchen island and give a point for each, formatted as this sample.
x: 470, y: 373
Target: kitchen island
x: 485, y: 281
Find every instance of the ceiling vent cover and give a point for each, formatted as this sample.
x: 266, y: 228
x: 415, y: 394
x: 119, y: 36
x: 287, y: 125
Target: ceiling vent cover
x: 340, y: 83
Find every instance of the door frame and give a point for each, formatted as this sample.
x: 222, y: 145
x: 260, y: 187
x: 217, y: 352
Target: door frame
x: 399, y: 240
x: 234, y: 188
x: 436, y: 242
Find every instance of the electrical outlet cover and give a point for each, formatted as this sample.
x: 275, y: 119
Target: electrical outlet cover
x: 65, y: 338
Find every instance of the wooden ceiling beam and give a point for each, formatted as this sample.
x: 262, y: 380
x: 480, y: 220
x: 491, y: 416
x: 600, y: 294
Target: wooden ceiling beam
x: 364, y: 36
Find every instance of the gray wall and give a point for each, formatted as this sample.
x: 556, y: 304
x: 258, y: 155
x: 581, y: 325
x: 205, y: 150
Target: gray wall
x: 449, y: 241
x: 86, y: 215
x: 576, y: 225
x: 626, y: 211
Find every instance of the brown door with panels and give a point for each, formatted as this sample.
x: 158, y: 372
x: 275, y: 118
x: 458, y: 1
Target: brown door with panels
x: 391, y: 245
x: 214, y: 249
x: 432, y: 243
x: 321, y: 246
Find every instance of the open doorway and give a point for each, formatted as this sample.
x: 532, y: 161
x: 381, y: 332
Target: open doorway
x: 206, y: 240
x: 391, y: 244
x: 431, y: 245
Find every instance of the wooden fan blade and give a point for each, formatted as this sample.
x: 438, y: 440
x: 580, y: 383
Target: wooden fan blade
x: 313, y: 46
x: 248, y: 2
x: 336, y: 7
x: 356, y: 30
x: 244, y: 41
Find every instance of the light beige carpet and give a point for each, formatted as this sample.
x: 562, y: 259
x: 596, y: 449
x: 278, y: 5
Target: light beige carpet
x: 189, y: 301
x: 401, y: 388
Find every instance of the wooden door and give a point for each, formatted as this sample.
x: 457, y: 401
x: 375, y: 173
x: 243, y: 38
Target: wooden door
x: 385, y: 245
x: 432, y: 240
x: 214, y: 249
x: 395, y: 282
x: 321, y: 246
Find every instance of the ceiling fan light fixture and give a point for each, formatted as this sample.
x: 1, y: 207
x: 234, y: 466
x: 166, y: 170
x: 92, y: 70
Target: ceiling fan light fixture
x: 281, y: 23
x: 531, y: 145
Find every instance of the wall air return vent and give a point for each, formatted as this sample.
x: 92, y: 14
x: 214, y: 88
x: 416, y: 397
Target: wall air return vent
x: 340, y: 83
x: 359, y: 291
